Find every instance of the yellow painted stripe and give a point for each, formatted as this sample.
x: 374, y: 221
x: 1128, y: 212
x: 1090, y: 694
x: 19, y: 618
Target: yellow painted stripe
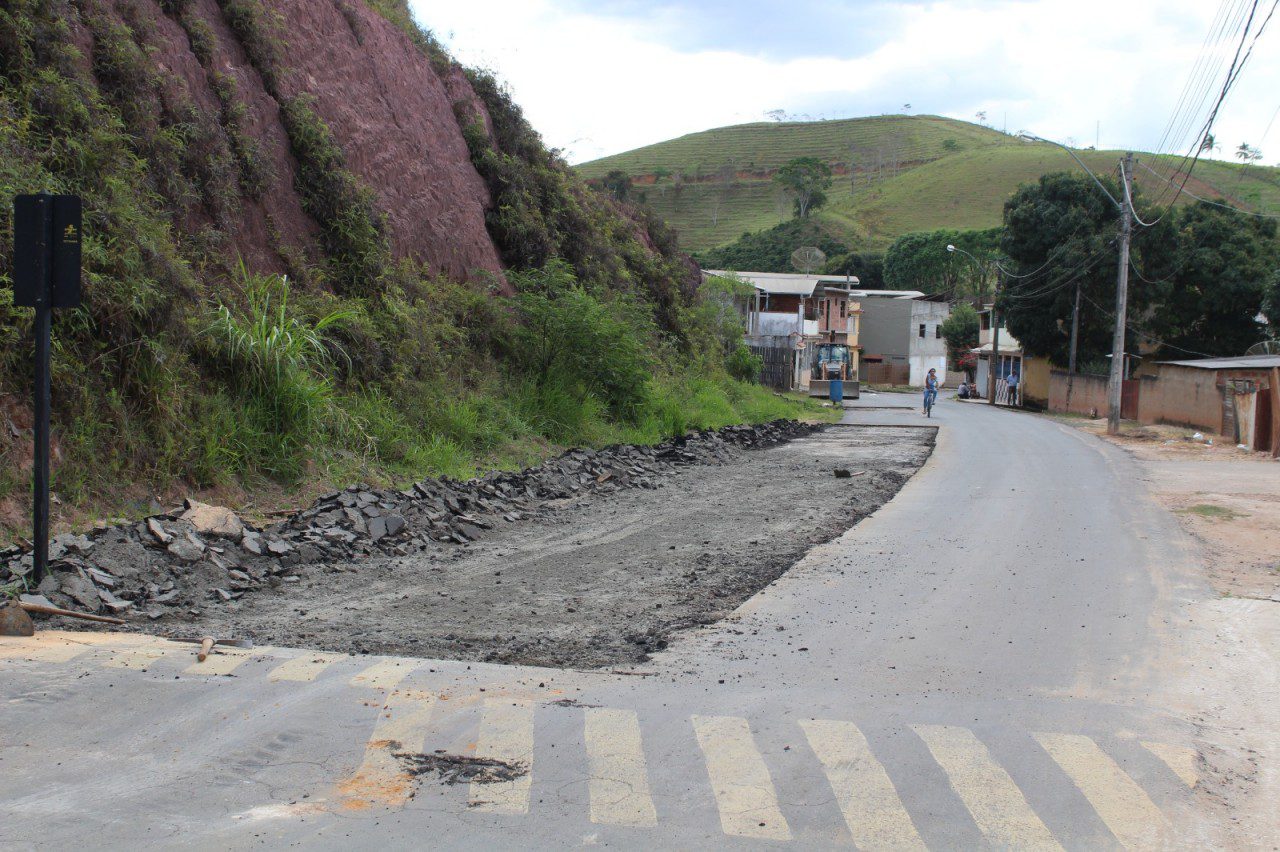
x: 381, y: 779
x: 59, y: 647
x: 221, y: 661
x: 305, y: 667
x: 740, y: 779
x: 136, y: 658
x: 619, y: 784
x: 506, y: 733
x: 1132, y: 817
x: 384, y: 675
x: 995, y: 802
x: 866, y: 796
x: 1180, y: 759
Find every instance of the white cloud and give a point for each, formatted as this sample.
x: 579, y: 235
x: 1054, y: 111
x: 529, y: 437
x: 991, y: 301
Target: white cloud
x: 595, y: 85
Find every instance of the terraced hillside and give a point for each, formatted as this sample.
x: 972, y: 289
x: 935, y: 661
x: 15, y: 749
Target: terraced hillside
x: 894, y: 174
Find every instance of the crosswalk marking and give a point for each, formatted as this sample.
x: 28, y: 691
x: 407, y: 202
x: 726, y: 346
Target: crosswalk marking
x: 1119, y: 801
x: 866, y: 796
x: 401, y: 728
x: 506, y: 733
x: 740, y: 779
x: 304, y: 667
x: 221, y: 661
x: 619, y: 784
x: 135, y: 658
x: 994, y: 801
x: 1180, y: 759
x: 384, y: 675
x: 54, y: 648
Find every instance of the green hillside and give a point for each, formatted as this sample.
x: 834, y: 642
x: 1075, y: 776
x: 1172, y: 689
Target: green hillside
x: 894, y: 174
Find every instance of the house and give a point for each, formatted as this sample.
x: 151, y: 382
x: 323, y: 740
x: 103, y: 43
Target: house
x: 1006, y: 361
x: 805, y: 320
x: 902, y: 336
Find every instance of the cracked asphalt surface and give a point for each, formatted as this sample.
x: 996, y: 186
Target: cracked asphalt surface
x: 1017, y: 651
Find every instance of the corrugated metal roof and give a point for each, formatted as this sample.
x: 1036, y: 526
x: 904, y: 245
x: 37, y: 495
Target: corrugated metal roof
x: 774, y: 282
x: 1244, y: 362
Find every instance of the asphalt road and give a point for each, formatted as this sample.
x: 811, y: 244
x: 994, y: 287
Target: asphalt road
x: 986, y: 662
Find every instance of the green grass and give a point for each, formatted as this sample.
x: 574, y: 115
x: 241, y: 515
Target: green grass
x: 1212, y: 512
x: 963, y: 186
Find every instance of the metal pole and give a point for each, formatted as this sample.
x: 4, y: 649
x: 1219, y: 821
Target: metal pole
x: 1116, y: 386
x: 40, y: 495
x: 995, y: 344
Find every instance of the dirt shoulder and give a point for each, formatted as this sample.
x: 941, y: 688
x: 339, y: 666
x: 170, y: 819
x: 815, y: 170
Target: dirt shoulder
x: 1227, y: 498
x: 599, y: 580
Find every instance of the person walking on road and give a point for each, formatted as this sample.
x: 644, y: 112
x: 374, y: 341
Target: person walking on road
x: 930, y: 391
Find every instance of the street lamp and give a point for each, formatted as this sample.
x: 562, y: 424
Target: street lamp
x: 995, y: 325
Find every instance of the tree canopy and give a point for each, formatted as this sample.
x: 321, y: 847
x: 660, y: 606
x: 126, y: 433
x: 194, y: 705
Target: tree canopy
x: 1198, y: 278
x: 920, y: 261
x: 770, y: 250
x: 807, y: 179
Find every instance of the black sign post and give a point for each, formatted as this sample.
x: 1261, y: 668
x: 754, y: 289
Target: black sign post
x: 46, y: 275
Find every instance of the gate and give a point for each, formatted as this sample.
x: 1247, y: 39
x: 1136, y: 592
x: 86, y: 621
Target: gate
x: 1129, y: 390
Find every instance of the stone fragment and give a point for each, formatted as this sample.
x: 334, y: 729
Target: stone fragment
x: 279, y: 547
x: 161, y: 535
x: 213, y: 520
x: 80, y: 590
x: 395, y: 523
x: 252, y: 542
x: 186, y: 548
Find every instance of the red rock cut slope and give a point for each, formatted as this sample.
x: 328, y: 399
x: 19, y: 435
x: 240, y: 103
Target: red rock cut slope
x: 388, y: 110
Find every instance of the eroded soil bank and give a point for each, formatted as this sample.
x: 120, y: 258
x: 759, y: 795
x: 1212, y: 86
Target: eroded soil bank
x: 598, y: 580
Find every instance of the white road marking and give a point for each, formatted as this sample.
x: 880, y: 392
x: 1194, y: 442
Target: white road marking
x: 619, y: 784
x: 866, y: 796
x: 740, y: 779
x: 401, y: 727
x: 994, y: 801
x: 305, y: 667
x: 506, y: 733
x: 386, y: 674
x: 1126, y: 809
x: 1180, y: 759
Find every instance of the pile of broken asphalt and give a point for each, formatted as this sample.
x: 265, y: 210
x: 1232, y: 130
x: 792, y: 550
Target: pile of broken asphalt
x: 169, y: 566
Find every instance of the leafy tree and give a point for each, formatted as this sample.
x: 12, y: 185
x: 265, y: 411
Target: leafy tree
x: 1060, y: 234
x: 807, y: 179
x: 960, y: 330
x: 1271, y: 303
x: 618, y: 183
x: 1247, y: 154
x: 770, y: 250
x: 920, y: 261
x: 1214, y: 283
x: 868, y: 267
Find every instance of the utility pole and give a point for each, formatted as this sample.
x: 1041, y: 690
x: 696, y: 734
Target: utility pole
x: 995, y: 344
x: 1116, y: 386
x: 1075, y: 335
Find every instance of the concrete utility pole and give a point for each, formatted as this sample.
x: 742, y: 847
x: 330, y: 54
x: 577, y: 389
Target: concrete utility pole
x: 1075, y: 335
x: 1116, y: 386
x: 995, y: 345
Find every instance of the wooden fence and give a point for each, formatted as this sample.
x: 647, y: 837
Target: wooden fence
x: 777, y: 369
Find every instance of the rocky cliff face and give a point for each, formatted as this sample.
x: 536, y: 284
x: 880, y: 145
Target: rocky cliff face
x: 387, y: 107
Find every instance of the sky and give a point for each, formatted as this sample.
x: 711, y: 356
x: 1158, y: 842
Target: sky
x: 598, y: 77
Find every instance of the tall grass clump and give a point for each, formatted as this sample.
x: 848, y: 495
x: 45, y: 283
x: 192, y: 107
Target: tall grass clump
x: 279, y: 365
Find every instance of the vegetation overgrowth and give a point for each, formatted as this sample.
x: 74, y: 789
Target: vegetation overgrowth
x: 184, y: 369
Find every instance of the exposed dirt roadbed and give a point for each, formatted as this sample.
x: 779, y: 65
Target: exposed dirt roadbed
x: 600, y: 580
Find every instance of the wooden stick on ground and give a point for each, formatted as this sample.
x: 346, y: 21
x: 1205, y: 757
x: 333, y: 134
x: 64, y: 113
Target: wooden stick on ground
x: 70, y: 613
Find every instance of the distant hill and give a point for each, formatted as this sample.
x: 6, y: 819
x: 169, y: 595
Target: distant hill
x: 894, y: 174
